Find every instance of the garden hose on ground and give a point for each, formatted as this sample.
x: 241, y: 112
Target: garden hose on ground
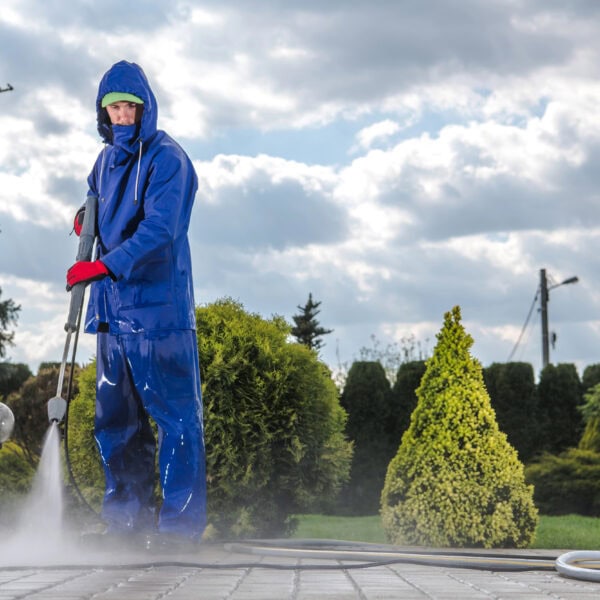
x: 583, y: 565
x: 378, y: 555
x: 580, y: 564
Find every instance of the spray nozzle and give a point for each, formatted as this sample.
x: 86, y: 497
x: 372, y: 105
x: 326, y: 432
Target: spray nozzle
x: 57, y: 407
x: 7, y: 423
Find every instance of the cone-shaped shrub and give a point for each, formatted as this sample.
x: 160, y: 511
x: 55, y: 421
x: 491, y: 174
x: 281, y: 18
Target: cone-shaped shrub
x: 455, y: 480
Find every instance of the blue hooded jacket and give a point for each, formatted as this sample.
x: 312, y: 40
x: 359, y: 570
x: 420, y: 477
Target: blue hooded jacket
x: 145, y: 184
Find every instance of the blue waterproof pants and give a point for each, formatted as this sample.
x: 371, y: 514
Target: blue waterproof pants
x: 151, y: 374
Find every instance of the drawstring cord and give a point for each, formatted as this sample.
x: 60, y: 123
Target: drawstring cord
x: 101, y: 171
x: 137, y: 175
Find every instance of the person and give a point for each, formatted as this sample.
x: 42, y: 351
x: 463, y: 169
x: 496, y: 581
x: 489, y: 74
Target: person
x: 141, y: 308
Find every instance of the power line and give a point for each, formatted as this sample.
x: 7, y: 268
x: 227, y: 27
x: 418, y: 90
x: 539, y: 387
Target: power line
x: 537, y: 293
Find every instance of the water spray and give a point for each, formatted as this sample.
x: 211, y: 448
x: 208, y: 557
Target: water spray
x: 7, y: 423
x: 57, y: 406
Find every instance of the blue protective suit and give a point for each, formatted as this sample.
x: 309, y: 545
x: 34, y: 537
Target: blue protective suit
x: 143, y: 315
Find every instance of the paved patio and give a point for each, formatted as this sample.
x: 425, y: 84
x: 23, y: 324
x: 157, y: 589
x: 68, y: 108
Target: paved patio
x: 258, y: 572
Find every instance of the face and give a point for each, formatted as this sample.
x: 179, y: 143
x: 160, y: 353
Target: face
x: 125, y: 113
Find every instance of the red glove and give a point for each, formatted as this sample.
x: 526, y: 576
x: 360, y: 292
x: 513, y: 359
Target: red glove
x: 78, y: 222
x: 86, y: 271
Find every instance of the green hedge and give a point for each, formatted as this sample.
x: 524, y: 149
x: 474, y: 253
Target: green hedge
x: 567, y: 483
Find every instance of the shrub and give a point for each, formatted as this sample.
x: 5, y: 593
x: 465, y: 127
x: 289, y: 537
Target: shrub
x: 404, y: 397
x: 366, y: 399
x: 455, y: 480
x: 570, y: 481
x: 30, y: 407
x: 79, y: 431
x: 560, y: 396
x: 274, y: 425
x: 567, y: 483
x: 513, y: 394
x: 590, y: 377
x: 12, y: 377
x: 15, y: 470
x: 274, y: 428
x: 16, y: 474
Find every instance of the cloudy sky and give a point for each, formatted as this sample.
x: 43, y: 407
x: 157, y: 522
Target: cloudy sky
x: 395, y: 159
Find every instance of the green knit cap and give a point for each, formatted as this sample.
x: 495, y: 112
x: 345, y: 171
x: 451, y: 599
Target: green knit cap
x: 113, y: 97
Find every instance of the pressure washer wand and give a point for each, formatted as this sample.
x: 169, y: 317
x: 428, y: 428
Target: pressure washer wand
x: 57, y: 406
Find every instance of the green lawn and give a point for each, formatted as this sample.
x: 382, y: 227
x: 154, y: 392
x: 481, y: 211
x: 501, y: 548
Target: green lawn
x: 571, y: 532
x: 354, y: 529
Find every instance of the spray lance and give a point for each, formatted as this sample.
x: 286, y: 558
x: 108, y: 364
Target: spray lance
x: 57, y: 406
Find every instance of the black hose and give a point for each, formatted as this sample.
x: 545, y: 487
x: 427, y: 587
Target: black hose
x: 81, y: 497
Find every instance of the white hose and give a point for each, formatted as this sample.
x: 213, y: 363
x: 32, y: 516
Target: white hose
x: 565, y: 566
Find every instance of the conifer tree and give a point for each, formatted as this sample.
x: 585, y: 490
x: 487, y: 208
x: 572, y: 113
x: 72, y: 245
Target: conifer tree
x: 12, y: 377
x: 560, y: 398
x: 8, y: 315
x: 514, y: 398
x: 455, y: 480
x: 307, y: 329
x: 404, y: 398
x: 590, y: 377
x: 366, y: 399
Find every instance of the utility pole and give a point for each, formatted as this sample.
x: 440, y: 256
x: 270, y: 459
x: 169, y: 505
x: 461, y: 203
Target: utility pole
x: 8, y: 88
x: 544, y: 311
x: 544, y: 299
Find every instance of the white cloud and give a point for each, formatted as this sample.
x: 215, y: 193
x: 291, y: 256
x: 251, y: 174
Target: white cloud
x: 39, y: 334
x: 378, y: 131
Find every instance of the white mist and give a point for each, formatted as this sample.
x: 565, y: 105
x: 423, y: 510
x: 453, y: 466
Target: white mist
x: 39, y: 535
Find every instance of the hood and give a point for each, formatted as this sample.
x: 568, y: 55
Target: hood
x: 127, y: 77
